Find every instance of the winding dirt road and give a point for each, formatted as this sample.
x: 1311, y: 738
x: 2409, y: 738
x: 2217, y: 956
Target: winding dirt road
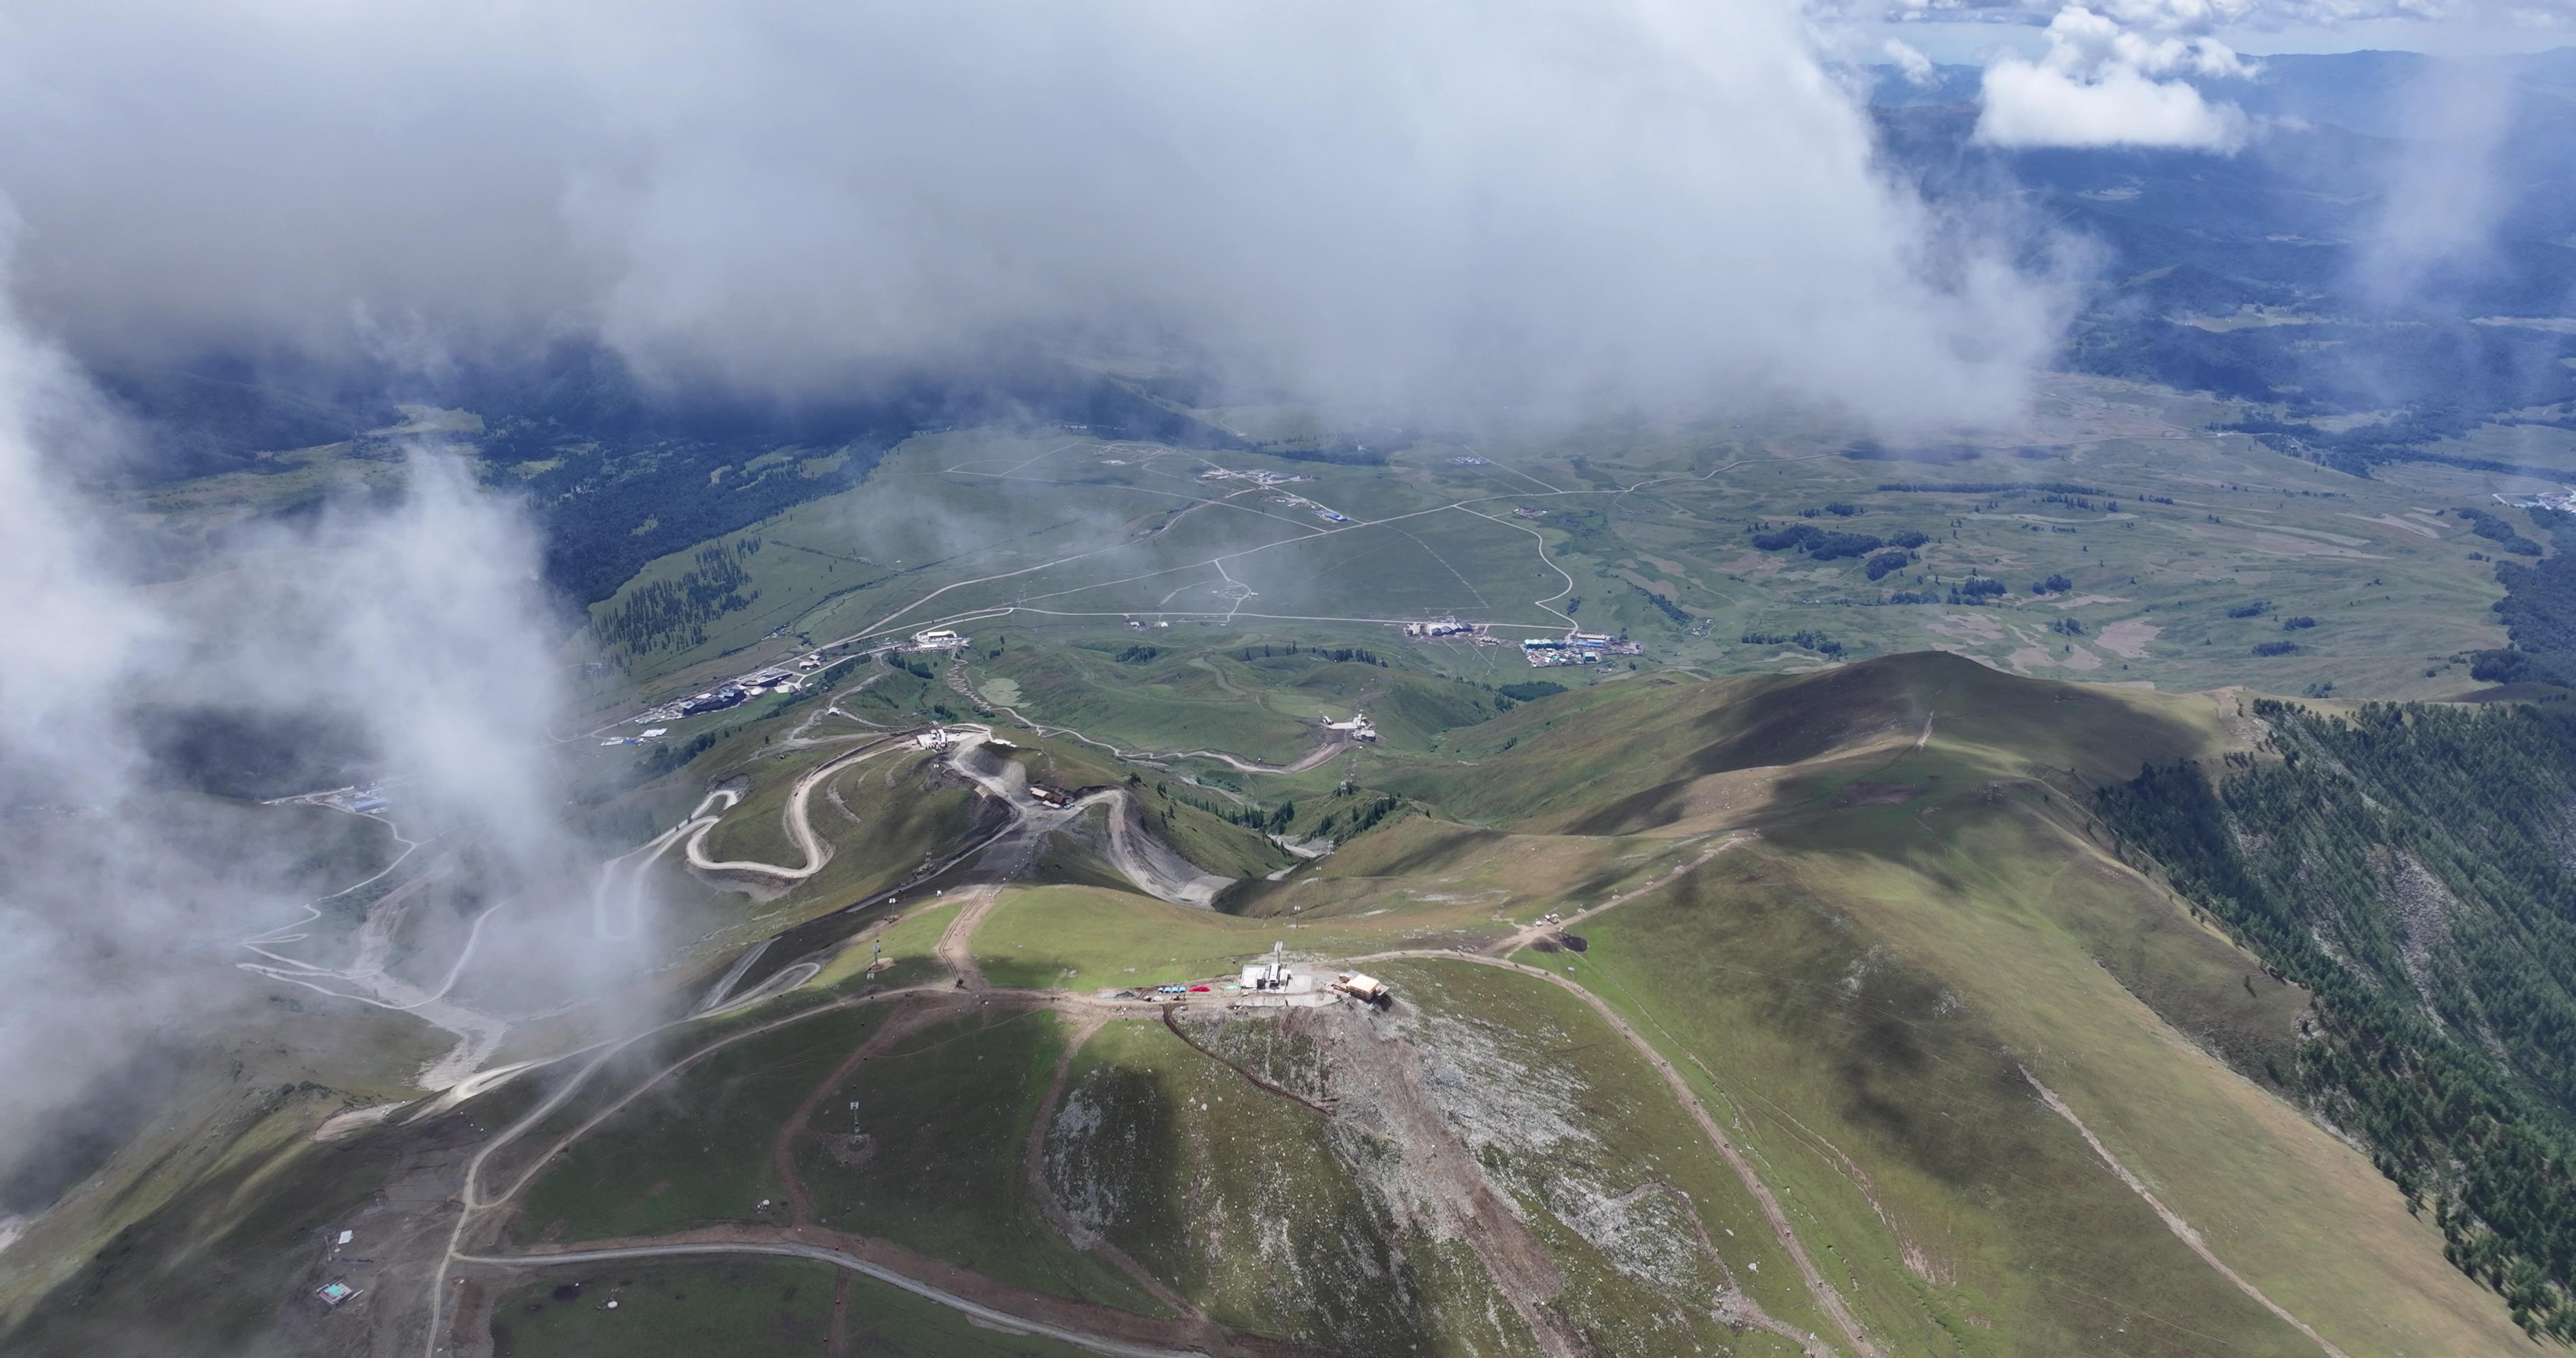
x: 816, y: 850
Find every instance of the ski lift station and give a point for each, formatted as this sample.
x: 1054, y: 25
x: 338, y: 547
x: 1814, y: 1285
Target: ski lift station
x: 1273, y: 975
x: 1272, y: 982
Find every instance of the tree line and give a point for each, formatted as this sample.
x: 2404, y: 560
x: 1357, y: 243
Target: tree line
x: 2410, y: 866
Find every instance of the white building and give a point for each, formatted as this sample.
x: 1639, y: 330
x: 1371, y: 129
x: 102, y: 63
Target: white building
x: 939, y: 639
x: 1274, y: 977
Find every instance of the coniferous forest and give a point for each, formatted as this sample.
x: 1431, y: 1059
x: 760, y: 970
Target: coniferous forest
x: 2414, y: 866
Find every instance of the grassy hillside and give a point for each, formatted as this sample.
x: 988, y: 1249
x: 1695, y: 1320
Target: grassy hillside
x: 1657, y: 754
x: 2410, y: 864
x: 1850, y: 975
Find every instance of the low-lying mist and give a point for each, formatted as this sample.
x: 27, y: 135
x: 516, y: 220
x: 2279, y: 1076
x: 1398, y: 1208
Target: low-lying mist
x: 409, y: 641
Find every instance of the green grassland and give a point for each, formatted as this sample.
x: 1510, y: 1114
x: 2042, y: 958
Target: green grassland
x: 890, y: 813
x: 1651, y: 527
x: 677, y: 1309
x: 690, y: 1150
x: 1418, y: 883
x: 1869, y: 981
x: 1650, y: 755
x: 908, y: 944
x: 884, y: 817
x: 738, y: 1305
x: 2159, y: 526
x: 1448, y: 883
x: 1176, y: 701
x: 947, y: 1112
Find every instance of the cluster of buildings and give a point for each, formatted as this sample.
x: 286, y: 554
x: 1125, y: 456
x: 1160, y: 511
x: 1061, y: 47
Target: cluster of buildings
x: 1463, y: 461
x: 754, y: 685
x: 1358, y: 727
x: 776, y: 679
x: 716, y: 699
x: 2564, y: 501
x: 1578, y: 648
x: 939, y: 639
x: 1262, y: 479
x: 1440, y: 627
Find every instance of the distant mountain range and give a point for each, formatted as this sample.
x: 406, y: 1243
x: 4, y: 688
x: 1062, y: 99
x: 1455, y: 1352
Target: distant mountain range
x: 2250, y: 275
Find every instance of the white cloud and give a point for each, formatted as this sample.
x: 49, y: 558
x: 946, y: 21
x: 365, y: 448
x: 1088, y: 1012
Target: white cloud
x: 2266, y: 16
x: 123, y: 905
x: 2099, y: 82
x: 2442, y: 191
x: 1567, y: 199
x: 2029, y: 105
x: 1917, y: 68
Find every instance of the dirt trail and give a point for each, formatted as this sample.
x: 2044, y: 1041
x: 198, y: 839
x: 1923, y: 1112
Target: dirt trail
x: 478, y: 1033
x: 1087, y: 1325
x: 1826, y: 1297
x: 1172, y: 1021
x: 989, y: 1315
x: 1741, y: 1304
x: 900, y: 1024
x: 1033, y: 1168
x: 1334, y: 743
x: 836, y: 1341
x: 1535, y: 932
x: 956, y: 947
x: 2173, y: 1220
